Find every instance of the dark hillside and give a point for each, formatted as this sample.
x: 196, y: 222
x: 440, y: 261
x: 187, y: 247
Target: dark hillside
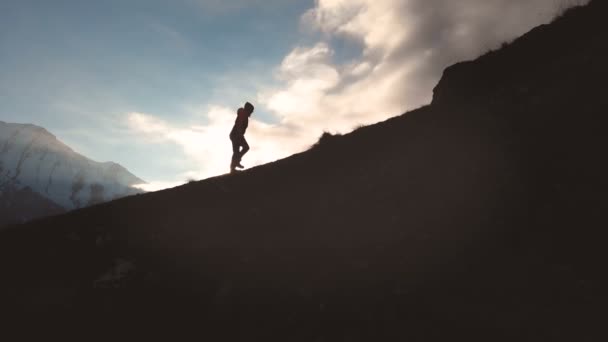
x: 481, y: 217
x: 21, y: 205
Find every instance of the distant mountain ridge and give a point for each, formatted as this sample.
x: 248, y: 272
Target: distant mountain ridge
x: 31, y: 157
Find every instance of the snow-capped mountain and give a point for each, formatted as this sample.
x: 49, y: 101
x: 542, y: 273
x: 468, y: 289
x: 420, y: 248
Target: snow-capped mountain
x: 31, y: 157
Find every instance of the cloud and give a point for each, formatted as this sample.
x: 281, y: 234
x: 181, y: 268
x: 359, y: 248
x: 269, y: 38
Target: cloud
x: 156, y: 186
x: 148, y: 124
x: 308, y: 76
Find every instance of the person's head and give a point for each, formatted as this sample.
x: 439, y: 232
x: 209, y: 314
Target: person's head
x: 249, y: 108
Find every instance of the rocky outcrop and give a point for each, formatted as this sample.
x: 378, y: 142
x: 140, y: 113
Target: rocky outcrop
x: 554, y: 52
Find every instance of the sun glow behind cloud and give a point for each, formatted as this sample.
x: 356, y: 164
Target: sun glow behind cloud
x: 405, y: 45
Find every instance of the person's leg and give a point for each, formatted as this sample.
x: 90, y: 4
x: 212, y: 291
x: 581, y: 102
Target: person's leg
x: 245, y: 147
x: 235, y: 153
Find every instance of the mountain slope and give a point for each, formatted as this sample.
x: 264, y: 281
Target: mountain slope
x: 22, y: 205
x: 480, y: 217
x: 32, y: 157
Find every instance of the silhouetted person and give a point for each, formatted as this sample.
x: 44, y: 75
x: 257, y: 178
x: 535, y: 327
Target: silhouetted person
x: 237, y: 136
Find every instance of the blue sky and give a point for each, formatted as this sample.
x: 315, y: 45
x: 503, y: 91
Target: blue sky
x: 153, y: 84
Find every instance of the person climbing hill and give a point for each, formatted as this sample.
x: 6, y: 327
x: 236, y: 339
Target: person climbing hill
x: 237, y: 136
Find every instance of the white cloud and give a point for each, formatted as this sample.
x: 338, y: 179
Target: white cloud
x: 156, y: 186
x: 378, y: 23
x: 147, y: 124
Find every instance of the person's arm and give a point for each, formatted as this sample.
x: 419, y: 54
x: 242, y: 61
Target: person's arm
x: 241, y: 122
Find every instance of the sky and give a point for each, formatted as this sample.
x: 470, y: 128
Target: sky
x: 154, y: 85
